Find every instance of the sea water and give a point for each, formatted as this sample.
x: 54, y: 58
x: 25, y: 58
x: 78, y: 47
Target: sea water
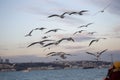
x: 62, y: 74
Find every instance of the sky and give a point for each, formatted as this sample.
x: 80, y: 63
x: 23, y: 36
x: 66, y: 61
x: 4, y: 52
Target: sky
x: 19, y: 17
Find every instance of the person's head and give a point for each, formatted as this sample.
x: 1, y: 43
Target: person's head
x: 116, y: 64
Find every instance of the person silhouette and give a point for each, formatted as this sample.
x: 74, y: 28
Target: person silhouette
x: 114, y: 72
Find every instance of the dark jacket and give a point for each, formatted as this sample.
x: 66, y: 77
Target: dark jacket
x: 113, y: 74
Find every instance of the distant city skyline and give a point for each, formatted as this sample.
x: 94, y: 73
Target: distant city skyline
x: 19, y: 17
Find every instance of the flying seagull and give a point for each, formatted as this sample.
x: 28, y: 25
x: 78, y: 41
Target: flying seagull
x: 56, y: 15
x: 61, y: 54
x: 68, y: 39
x: 53, y: 43
x: 35, y: 43
x: 29, y: 34
x: 73, y: 13
x: 80, y: 13
x: 52, y: 30
x: 103, y: 10
x: 91, y: 33
x: 39, y: 42
x: 44, y: 37
x: 78, y: 32
x: 50, y: 53
x: 42, y: 28
x: 85, y: 25
x: 95, y: 40
x: 98, y: 53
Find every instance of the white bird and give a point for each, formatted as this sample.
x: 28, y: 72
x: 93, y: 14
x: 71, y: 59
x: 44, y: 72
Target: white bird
x: 68, y: 39
x: 61, y: 54
x: 80, y: 13
x: 29, y: 34
x: 42, y: 28
x: 53, y: 43
x: 45, y: 37
x: 103, y: 10
x: 52, y: 30
x: 91, y: 33
x: 78, y: 32
x: 39, y: 42
x: 85, y: 25
x: 56, y: 15
x: 95, y: 40
x: 98, y: 53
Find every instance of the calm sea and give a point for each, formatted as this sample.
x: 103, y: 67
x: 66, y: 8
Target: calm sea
x: 63, y: 74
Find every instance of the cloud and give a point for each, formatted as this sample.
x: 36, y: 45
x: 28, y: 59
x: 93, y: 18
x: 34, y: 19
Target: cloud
x: 74, y: 47
x: 3, y: 48
x: 116, y: 29
x: 83, y: 38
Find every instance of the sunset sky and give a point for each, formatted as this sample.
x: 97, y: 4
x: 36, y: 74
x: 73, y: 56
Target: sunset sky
x: 19, y: 17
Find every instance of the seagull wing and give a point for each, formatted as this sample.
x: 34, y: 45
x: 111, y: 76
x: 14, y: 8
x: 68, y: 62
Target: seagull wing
x: 46, y: 40
x: 89, y: 24
x: 33, y: 44
x: 48, y: 44
x: 75, y: 32
x: 42, y: 28
x: 82, y: 11
x: 54, y: 15
x: 59, y: 41
x: 64, y: 13
x: 90, y: 53
x: 102, y: 51
x: 48, y: 31
x: 29, y: 34
x: 50, y: 53
x: 92, y: 42
x: 63, y: 56
x: 81, y: 26
x: 73, y: 13
x: 71, y: 39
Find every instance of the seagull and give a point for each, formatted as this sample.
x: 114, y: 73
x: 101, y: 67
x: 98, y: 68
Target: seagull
x: 29, y: 34
x: 68, y: 39
x: 85, y: 25
x: 91, y: 33
x: 98, y: 53
x: 44, y: 37
x: 78, y: 32
x: 52, y: 30
x: 91, y: 53
x: 56, y: 15
x: 42, y: 28
x: 53, y: 43
x: 95, y: 40
x: 39, y: 42
x: 50, y: 53
x: 61, y: 54
x: 73, y: 13
x: 103, y: 10
x: 82, y: 11
x: 35, y: 43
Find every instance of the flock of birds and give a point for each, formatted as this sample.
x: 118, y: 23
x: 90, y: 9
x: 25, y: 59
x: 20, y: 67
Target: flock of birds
x: 46, y: 42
